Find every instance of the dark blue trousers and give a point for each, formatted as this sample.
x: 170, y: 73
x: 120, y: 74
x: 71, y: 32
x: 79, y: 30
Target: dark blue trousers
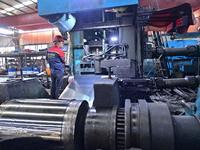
x: 56, y: 83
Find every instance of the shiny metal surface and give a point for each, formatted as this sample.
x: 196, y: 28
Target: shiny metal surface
x: 81, y: 88
x: 73, y: 125
x: 44, y: 119
x: 64, y: 23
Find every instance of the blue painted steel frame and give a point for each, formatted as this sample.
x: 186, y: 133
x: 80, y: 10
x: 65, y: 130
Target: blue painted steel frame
x: 49, y: 7
x: 197, y: 103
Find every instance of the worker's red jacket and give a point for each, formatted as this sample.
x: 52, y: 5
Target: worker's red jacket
x: 55, y: 57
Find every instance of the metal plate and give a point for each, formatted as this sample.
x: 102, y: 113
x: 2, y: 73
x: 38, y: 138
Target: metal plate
x: 81, y: 88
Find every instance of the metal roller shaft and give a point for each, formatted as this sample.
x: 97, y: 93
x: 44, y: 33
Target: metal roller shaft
x: 178, y: 82
x: 147, y: 126
x: 154, y: 128
x: 189, y: 51
x: 68, y: 125
x: 100, y: 128
x: 52, y: 121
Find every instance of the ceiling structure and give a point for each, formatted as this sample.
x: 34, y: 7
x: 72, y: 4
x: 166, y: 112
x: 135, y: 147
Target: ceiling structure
x: 17, y: 7
x: 26, y: 22
x: 23, y: 14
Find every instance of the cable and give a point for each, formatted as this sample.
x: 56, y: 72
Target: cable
x: 107, y: 54
x: 155, y: 64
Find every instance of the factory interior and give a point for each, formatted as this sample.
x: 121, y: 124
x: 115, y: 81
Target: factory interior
x: 131, y: 75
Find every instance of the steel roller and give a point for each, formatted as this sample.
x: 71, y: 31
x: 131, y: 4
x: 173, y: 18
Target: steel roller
x: 60, y: 122
x: 69, y: 125
x: 144, y: 126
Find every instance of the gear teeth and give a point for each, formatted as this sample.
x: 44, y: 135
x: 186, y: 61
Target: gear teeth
x: 120, y: 129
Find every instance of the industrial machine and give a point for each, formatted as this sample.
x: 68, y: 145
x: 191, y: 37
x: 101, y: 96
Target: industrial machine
x: 63, y: 124
x: 125, y: 109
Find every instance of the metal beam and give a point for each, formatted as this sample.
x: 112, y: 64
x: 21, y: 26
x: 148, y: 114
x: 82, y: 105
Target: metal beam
x: 11, y: 37
x: 99, y: 25
x: 7, y: 12
x: 164, y: 4
x: 49, y: 7
x: 26, y: 22
x: 2, y: 13
x: 33, y: 2
x: 13, y: 7
x: 26, y: 6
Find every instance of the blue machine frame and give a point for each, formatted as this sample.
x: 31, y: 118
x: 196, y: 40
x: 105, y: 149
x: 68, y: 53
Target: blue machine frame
x: 49, y: 7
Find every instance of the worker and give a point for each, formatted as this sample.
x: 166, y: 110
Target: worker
x: 56, y: 59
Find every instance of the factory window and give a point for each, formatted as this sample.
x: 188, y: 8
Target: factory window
x: 31, y: 47
x: 42, y: 46
x: 36, y: 47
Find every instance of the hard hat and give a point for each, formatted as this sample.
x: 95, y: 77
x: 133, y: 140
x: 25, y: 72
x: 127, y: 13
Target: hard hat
x: 58, y: 38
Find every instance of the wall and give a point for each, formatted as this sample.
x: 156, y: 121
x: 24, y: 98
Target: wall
x: 38, y: 37
x: 6, y: 44
x: 194, y: 28
x: 6, y: 41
